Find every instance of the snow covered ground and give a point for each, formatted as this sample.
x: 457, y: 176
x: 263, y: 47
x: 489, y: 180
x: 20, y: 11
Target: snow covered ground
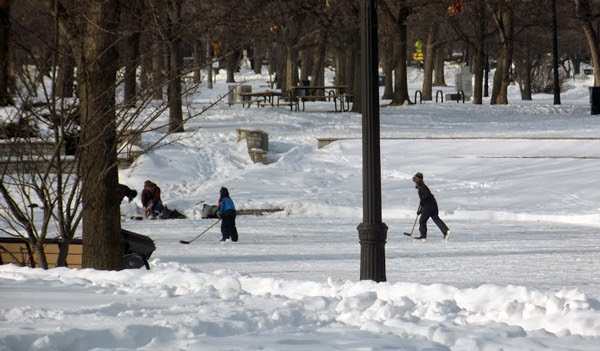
x: 517, y: 184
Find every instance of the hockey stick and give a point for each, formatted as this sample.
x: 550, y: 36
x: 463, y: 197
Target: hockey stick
x: 199, y: 235
x: 413, y: 228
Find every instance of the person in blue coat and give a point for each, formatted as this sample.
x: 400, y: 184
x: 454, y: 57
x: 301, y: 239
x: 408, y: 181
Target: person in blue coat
x: 428, y: 208
x: 226, y: 211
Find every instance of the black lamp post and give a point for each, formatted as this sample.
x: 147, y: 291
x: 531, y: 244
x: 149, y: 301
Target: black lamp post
x: 372, y: 233
x: 556, y: 86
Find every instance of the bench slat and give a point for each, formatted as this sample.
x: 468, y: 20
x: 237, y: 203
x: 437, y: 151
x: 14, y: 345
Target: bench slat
x: 13, y: 250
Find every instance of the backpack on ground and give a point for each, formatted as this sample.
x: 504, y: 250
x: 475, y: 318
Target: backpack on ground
x: 171, y: 214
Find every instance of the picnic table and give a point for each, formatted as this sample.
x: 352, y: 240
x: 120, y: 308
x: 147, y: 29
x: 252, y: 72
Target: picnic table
x: 335, y: 93
x: 261, y: 98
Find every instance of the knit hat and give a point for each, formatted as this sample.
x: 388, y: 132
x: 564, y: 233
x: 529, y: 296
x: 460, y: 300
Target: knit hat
x: 417, y: 178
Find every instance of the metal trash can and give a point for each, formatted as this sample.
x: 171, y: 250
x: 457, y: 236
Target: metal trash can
x: 303, y: 92
x: 137, y: 249
x: 209, y: 211
x: 234, y: 93
x: 231, y: 96
x: 244, y: 89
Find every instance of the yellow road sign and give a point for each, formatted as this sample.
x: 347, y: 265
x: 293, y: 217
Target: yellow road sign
x: 418, y: 56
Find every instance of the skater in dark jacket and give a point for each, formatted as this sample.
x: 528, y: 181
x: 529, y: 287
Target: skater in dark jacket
x: 226, y: 211
x: 428, y: 208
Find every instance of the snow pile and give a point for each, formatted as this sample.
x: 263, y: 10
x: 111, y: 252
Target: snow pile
x: 173, y: 305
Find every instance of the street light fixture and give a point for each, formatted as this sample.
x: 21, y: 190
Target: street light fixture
x: 372, y: 232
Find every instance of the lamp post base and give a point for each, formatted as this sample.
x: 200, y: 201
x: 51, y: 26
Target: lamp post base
x: 372, y: 237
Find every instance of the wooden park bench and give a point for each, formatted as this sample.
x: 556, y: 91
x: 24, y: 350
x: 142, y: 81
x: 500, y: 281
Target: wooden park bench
x: 137, y: 249
x: 18, y: 251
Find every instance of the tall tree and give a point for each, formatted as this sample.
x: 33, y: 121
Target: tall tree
x: 94, y: 47
x: 430, y: 49
x: 5, y: 98
x: 397, y: 13
x: 503, y: 15
x: 97, y: 84
x: 587, y: 16
x: 469, y: 21
x: 175, y: 64
x: 387, y: 63
x: 132, y: 22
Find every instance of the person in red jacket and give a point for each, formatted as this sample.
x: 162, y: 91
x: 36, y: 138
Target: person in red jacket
x: 151, y: 200
x: 428, y: 208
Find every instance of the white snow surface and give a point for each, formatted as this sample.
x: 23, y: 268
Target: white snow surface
x: 517, y: 184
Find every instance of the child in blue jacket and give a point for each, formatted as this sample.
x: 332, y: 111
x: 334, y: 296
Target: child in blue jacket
x: 226, y: 211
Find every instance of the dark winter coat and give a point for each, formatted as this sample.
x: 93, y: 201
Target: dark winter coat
x: 151, y: 195
x: 426, y: 198
x: 123, y: 190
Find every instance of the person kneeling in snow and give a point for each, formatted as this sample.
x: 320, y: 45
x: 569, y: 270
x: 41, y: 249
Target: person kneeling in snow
x: 226, y: 211
x: 151, y: 200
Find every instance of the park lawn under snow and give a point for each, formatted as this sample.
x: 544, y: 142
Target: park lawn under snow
x: 517, y: 184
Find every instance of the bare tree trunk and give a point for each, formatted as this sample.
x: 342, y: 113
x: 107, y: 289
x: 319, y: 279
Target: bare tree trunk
x: 387, y: 61
x: 355, y: 75
x: 523, y: 68
x: 306, y: 64
x: 175, y: 63
x: 209, y: 67
x: 276, y: 67
x: 157, y: 67
x: 505, y: 82
x: 197, y: 60
x: 318, y: 66
x: 478, y: 66
x: 584, y: 14
x: 400, y: 53
x: 97, y: 65
x: 479, y: 58
x: 291, y: 68
x: 5, y: 98
x: 260, y: 54
x: 400, y: 72
x: 340, y: 67
x: 38, y: 250
x: 503, y: 16
x: 497, y: 81
x: 439, y: 80
x: 232, y: 62
x: 66, y: 73
x: 146, y: 69
x: 429, y: 59
x: 131, y: 12
x: 131, y: 58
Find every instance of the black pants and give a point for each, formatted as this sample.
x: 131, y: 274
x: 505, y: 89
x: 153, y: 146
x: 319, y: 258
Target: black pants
x: 228, y: 229
x: 431, y: 211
